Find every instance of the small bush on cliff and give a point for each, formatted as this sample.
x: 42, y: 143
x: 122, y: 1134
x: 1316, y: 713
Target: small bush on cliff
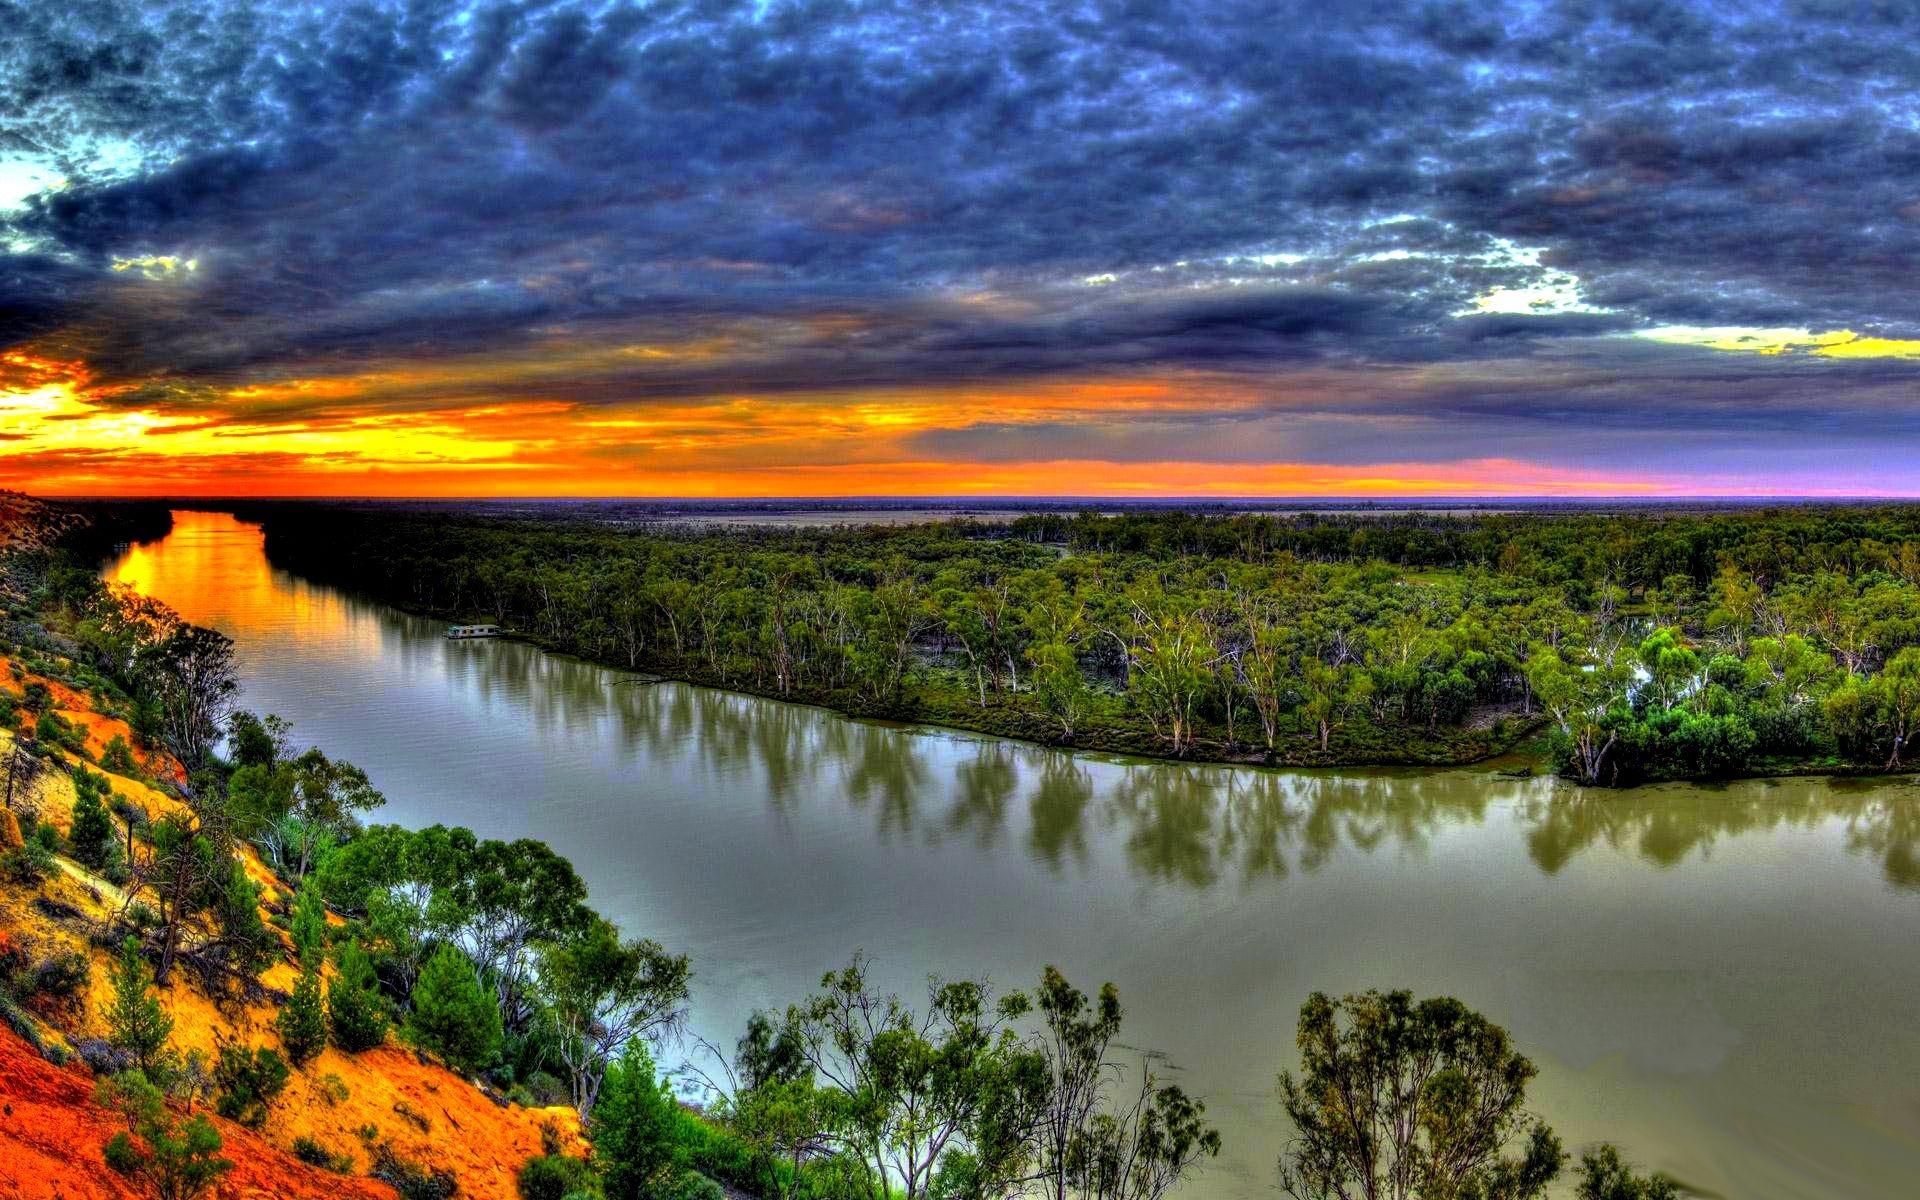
x: 91, y: 834
x: 311, y: 1152
x: 135, y: 1021
x: 173, y: 1159
x: 633, y: 1129
x: 117, y: 756
x: 356, y: 1012
x: 453, y: 1014
x: 410, y: 1179
x: 303, y: 1022
x: 60, y: 976
x: 248, y: 1082
x: 27, y: 864
x: 555, y: 1177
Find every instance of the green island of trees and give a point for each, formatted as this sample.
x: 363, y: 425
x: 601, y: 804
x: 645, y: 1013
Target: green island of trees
x: 1644, y: 645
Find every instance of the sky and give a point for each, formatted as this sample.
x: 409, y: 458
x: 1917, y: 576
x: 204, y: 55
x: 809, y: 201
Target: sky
x: 1144, y: 248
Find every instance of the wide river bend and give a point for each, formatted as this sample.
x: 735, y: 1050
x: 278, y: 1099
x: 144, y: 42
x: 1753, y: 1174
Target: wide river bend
x: 1723, y: 980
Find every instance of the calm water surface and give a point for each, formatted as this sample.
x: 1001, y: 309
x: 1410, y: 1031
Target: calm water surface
x: 1723, y: 980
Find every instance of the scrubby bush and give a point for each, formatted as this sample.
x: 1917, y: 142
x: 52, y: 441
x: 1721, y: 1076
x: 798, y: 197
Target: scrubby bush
x: 692, y: 1185
x: 314, y: 1154
x: 554, y: 1177
x: 633, y: 1128
x: 61, y: 976
x: 135, y: 1021
x: 177, y: 1160
x: 454, y: 1015
x: 356, y: 1012
x: 27, y: 864
x: 247, y: 1083
x: 23, y: 1025
x: 117, y: 756
x: 303, y: 1022
x: 91, y: 833
x: 410, y: 1179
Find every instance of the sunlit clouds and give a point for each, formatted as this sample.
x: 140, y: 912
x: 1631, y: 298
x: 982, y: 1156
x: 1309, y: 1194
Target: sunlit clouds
x: 795, y: 249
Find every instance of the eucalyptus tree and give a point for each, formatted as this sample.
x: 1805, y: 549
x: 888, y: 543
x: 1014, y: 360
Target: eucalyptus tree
x: 1582, y: 701
x: 1403, y: 1100
x: 602, y: 991
x: 908, y: 1089
x: 1087, y: 1146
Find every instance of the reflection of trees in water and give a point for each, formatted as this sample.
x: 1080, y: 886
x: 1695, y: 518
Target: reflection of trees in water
x: 1195, y: 825
x: 883, y: 771
x: 1665, y: 826
x: 1181, y: 824
x: 1057, y: 809
x: 985, y: 788
x: 1168, y: 813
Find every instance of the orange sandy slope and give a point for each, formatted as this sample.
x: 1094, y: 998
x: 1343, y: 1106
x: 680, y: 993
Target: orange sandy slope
x: 52, y: 1134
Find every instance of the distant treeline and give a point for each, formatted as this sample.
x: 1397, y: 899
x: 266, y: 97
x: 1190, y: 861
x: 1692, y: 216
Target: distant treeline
x: 1655, y: 644
x: 108, y: 524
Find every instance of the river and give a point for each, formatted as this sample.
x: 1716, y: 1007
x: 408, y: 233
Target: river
x: 1723, y: 980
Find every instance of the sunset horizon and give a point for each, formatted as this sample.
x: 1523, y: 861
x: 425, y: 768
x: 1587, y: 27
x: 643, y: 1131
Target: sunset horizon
x: 473, y: 249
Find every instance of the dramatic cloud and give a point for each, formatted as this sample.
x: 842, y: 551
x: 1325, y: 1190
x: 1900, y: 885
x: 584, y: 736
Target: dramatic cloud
x: 834, y: 246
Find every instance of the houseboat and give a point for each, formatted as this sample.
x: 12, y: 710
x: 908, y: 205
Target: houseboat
x: 458, y: 632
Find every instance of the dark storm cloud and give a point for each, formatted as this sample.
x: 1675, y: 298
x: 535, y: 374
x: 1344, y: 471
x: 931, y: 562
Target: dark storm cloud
x: 1132, y: 186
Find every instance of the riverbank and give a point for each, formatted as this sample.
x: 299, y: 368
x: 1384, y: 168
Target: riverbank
x: 1512, y: 740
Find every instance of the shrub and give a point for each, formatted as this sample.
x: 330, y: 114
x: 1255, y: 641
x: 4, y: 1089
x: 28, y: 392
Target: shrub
x: 176, y: 1160
x: 692, y: 1185
x: 62, y: 975
x: 413, y: 1116
x: 303, y: 1022
x: 248, y: 1082
x: 316, y: 1155
x: 356, y: 1012
x: 410, y: 1179
x: 554, y: 1177
x: 633, y: 1127
x: 308, y: 922
x: 135, y: 1021
x: 13, y: 959
x: 23, y: 1025
x: 53, y: 730
x: 102, y: 1057
x: 91, y: 834
x: 117, y: 756
x: 333, y: 1089
x: 454, y: 1015
x: 29, y: 863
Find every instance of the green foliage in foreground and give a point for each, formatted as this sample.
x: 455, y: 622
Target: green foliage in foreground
x: 247, y: 1082
x: 136, y: 1023
x: 174, y: 1159
x: 634, y: 1129
x: 453, y: 1015
x: 357, y: 1017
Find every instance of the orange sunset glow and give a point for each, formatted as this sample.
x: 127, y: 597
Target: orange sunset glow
x: 356, y: 254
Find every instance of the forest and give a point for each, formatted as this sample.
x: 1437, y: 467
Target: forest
x: 1628, y: 646
x: 218, y: 857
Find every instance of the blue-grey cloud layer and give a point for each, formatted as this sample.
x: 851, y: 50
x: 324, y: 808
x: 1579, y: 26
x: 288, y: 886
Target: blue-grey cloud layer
x: 834, y: 186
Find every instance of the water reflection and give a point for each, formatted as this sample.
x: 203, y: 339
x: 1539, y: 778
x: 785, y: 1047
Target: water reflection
x: 1182, y: 825
x: 1666, y: 826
